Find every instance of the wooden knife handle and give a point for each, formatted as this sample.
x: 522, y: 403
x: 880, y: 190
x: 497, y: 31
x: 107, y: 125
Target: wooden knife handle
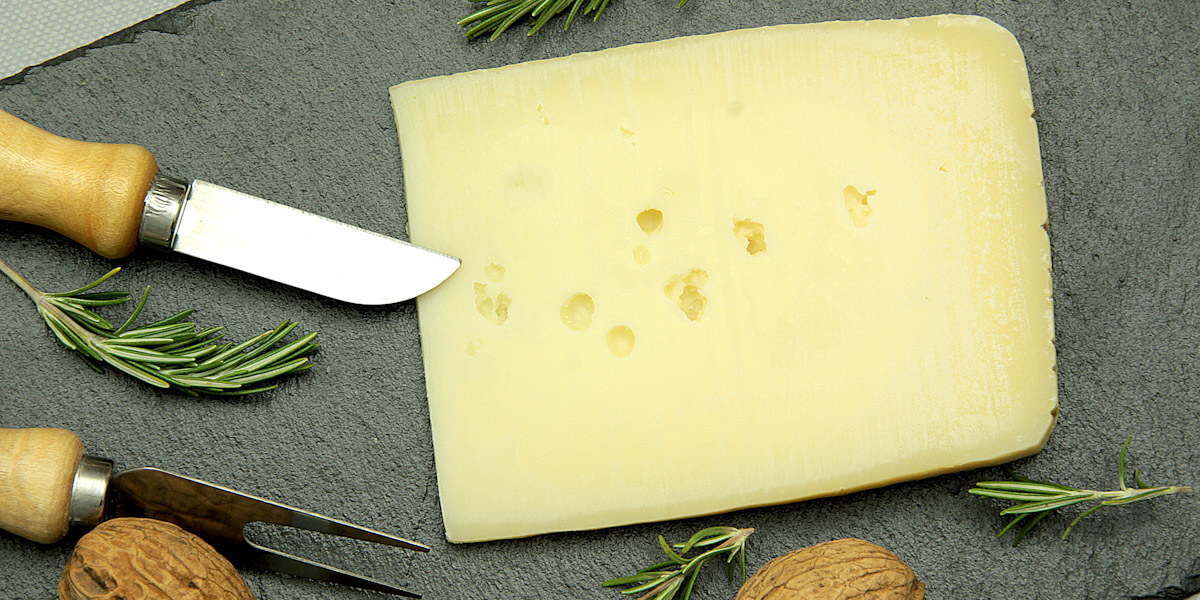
x: 89, y: 192
x: 37, y: 471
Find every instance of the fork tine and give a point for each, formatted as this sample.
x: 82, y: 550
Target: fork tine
x: 266, y: 558
x: 302, y: 519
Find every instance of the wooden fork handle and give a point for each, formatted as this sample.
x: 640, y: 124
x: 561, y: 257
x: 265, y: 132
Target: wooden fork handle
x: 37, y: 471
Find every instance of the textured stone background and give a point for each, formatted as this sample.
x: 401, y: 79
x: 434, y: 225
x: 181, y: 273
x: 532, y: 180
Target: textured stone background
x: 288, y: 100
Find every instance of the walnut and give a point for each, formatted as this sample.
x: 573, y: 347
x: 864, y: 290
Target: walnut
x: 145, y: 559
x: 849, y: 569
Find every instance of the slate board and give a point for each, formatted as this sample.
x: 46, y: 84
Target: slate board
x: 289, y: 101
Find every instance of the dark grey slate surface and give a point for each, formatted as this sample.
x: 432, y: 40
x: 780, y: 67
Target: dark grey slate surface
x: 288, y: 100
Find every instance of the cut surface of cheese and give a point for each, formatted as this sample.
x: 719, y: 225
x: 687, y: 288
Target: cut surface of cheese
x: 727, y: 271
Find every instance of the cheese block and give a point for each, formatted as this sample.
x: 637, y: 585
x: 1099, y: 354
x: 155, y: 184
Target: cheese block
x: 728, y: 271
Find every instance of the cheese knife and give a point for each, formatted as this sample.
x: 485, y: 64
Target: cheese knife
x: 48, y: 486
x: 112, y: 198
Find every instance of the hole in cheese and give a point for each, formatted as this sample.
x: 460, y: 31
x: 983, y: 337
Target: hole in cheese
x: 856, y: 203
x: 577, y: 312
x: 494, y: 309
x: 685, y: 291
x: 650, y: 220
x: 620, y: 341
x: 641, y: 254
x: 756, y: 240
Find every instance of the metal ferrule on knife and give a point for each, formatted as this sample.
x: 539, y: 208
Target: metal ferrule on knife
x: 160, y: 215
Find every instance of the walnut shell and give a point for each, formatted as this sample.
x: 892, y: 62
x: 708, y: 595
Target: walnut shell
x: 145, y: 559
x: 849, y: 569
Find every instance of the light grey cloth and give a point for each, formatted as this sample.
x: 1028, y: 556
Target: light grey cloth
x: 38, y: 30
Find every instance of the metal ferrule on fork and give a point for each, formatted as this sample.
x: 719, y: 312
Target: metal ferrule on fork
x: 88, y: 490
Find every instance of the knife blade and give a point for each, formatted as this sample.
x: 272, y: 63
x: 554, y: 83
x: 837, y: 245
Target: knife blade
x: 112, y: 198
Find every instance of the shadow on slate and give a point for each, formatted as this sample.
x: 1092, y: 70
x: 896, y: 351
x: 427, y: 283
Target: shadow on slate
x: 1191, y: 587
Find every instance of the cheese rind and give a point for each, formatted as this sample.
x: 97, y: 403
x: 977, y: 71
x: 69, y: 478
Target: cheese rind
x: 813, y: 258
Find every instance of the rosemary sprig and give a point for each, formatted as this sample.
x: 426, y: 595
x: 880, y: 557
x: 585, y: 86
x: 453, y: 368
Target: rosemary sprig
x: 677, y: 575
x: 498, y: 15
x: 167, y: 353
x: 1038, y: 498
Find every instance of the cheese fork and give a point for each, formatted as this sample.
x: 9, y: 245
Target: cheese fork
x: 48, y: 485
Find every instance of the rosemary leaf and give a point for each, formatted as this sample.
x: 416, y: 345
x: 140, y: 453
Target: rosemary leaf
x: 77, y: 291
x: 205, y: 383
x: 142, y: 355
x: 642, y: 588
x: 83, y: 315
x: 169, y: 353
x: 177, y: 330
x: 298, y: 364
x: 1121, y: 464
x: 113, y: 297
x: 173, y: 319
x: 242, y: 391
x: 137, y: 310
x: 659, y: 567
x: 1137, y: 477
x: 138, y: 341
x: 1024, y: 530
x: 61, y: 332
x: 1038, y: 498
x: 1003, y: 495
x: 640, y: 577
x: 197, y: 353
x: 222, y: 360
x: 81, y: 301
x: 1042, y: 483
x: 671, y: 554
x: 1044, y: 505
x: 276, y: 356
x: 1081, y: 516
x: 690, y: 583
x: 189, y: 341
x: 1023, y: 486
x: 133, y: 370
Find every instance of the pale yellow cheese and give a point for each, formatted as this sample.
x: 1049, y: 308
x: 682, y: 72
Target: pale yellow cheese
x: 727, y: 271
